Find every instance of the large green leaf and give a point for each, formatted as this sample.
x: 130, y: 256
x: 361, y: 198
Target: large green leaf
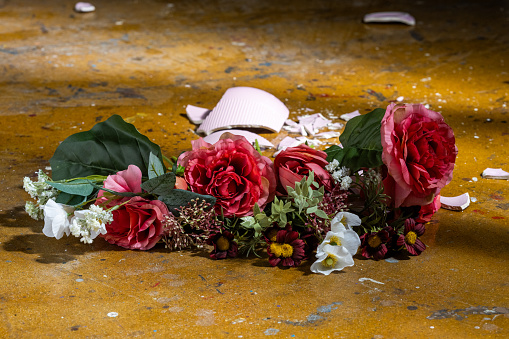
x: 178, y: 198
x: 361, y: 141
x: 109, y: 147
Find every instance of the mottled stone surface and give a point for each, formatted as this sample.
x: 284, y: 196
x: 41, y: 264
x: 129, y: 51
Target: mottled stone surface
x: 62, y: 71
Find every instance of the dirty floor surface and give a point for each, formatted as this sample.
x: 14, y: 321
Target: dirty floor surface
x: 61, y: 72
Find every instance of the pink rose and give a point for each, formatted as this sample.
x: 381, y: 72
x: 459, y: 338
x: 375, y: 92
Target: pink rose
x: 294, y: 163
x: 138, y: 224
x: 232, y: 171
x: 419, y: 151
x: 128, y: 180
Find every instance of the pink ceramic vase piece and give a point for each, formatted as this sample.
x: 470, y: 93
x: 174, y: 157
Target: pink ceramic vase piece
x: 246, y: 107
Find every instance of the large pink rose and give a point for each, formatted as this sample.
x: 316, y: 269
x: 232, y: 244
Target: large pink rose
x: 419, y: 151
x: 232, y: 171
x: 296, y: 162
x: 137, y: 224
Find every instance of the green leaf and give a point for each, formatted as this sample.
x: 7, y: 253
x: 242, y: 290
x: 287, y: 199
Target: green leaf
x: 109, y: 147
x: 161, y: 185
x: 155, y: 166
x: 177, y: 198
x: 70, y: 199
x: 80, y: 187
x: 361, y: 141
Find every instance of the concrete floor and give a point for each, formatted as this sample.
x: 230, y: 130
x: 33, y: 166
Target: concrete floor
x: 61, y: 72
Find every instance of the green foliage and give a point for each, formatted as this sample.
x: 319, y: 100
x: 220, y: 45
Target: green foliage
x: 279, y: 211
x: 81, y: 187
x: 155, y: 166
x: 304, y: 197
x: 160, y: 185
x: 361, y: 141
x: 109, y: 147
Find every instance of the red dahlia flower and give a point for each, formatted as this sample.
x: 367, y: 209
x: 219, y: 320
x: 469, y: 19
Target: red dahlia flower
x: 375, y: 244
x: 410, y: 237
x: 288, y: 249
x: 224, y: 246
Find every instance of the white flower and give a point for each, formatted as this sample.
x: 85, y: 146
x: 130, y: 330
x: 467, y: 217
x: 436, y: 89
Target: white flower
x: 345, y: 220
x: 332, y: 258
x: 331, y: 166
x: 345, y: 183
x: 34, y: 211
x: 56, y: 219
x: 88, y: 224
x: 29, y: 187
x: 339, y: 246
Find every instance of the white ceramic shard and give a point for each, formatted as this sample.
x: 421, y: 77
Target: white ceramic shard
x: 288, y: 142
x: 335, y: 125
x: 84, y: 7
x: 348, y: 116
x: 196, y: 114
x: 459, y: 203
x: 388, y: 17
x: 495, y: 173
x: 246, y: 107
x: 250, y: 136
x: 327, y: 135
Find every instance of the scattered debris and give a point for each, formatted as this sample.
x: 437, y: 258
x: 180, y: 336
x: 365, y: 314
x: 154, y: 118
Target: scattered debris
x: 84, y: 7
x: 495, y: 173
x: 390, y: 17
x: 348, y: 116
x: 369, y: 279
x: 196, y: 114
x: 459, y: 203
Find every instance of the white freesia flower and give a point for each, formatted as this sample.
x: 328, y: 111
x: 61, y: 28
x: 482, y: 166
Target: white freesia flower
x: 345, y: 219
x: 56, y: 219
x: 339, y: 246
x: 331, y: 258
x: 88, y: 224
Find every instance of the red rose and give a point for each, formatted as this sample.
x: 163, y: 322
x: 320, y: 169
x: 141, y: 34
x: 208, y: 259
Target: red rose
x: 419, y: 152
x: 427, y: 211
x: 138, y: 224
x: 294, y: 163
x: 232, y: 171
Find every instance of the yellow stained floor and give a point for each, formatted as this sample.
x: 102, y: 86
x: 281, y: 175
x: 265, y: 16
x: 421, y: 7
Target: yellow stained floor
x: 61, y: 72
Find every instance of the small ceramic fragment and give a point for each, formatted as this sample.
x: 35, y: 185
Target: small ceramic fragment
x: 250, y: 136
x: 327, y: 135
x: 495, y: 173
x: 246, y: 107
x: 196, y: 114
x: 348, y: 116
x: 84, y: 7
x: 459, y: 203
x: 389, y: 17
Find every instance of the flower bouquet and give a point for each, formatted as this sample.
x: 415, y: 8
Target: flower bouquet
x: 371, y: 195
